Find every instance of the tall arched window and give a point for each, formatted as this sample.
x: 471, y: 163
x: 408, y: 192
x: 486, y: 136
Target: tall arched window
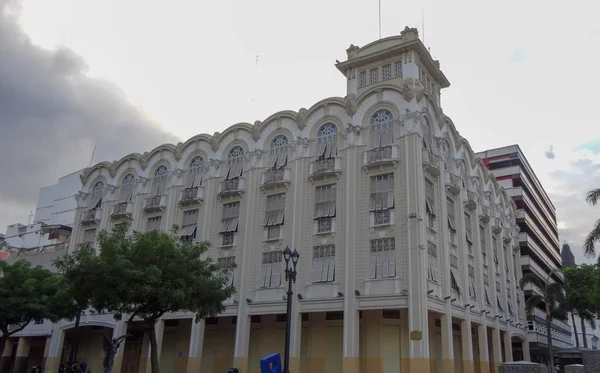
x: 97, y: 194
x: 194, y: 174
x: 235, y: 162
x: 278, y: 152
x: 382, y: 129
x: 159, y: 183
x: 327, y: 141
x: 126, y: 188
x: 426, y: 131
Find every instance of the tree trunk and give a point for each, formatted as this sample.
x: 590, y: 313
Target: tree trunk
x: 3, y: 341
x: 575, y: 329
x: 153, y: 350
x: 585, y: 345
x: 549, y: 335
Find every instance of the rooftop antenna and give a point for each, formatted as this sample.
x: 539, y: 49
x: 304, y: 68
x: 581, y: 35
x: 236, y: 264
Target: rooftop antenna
x: 379, y: 19
x: 93, y: 153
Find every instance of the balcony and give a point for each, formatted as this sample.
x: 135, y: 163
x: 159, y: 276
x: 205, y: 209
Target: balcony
x: 379, y: 157
x: 430, y: 163
x: 452, y: 183
x: 91, y: 216
x: 231, y: 188
x: 121, y: 210
x: 484, y: 214
x: 276, y: 179
x: 469, y: 199
x: 156, y: 203
x: 324, y: 167
x: 191, y: 196
x: 496, y: 225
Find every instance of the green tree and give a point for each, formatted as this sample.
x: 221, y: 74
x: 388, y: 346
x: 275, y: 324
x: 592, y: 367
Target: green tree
x: 579, y: 286
x: 553, y: 300
x: 589, y: 248
x: 30, y: 293
x: 145, y: 275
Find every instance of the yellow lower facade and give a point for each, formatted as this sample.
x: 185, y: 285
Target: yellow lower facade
x: 384, y: 347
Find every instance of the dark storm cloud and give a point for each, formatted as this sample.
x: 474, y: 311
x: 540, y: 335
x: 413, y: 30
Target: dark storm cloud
x: 51, y: 114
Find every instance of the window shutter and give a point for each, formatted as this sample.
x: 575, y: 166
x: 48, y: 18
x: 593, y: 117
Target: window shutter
x: 263, y: 275
x: 372, y: 265
x: 392, y: 264
x: 325, y: 270
x: 317, y: 269
x: 331, y: 272
x: 276, y: 274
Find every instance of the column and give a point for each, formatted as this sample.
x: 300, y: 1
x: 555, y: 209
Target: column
x: 447, y: 341
x: 526, y: 353
x: 508, y: 352
x: 418, y: 316
x: 46, y: 352
x: 484, y: 362
x: 55, y: 350
x: 373, y: 338
x: 119, y: 330
x: 6, y: 356
x: 351, y: 362
x: 496, y: 347
x: 194, y: 362
x: 316, y: 343
x: 296, y: 337
x: 22, y: 356
x: 158, y: 330
x: 242, y: 340
x: 467, y: 343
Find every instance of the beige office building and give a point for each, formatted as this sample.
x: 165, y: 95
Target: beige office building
x: 406, y: 240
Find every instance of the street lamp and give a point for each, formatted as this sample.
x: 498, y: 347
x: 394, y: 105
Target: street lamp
x: 290, y: 276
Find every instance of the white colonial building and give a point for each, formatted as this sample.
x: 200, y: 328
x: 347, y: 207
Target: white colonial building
x: 406, y: 240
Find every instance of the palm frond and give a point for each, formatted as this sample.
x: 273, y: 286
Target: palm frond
x: 594, y: 236
x: 531, y: 303
x: 530, y: 278
x: 593, y: 196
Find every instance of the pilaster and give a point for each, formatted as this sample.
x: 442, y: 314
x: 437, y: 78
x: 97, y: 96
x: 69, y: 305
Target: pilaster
x: 484, y: 359
x: 467, y: 343
x: 5, y: 359
x: 119, y: 330
x: 21, y: 356
x: 496, y: 347
x: 351, y: 317
x: 55, y: 350
x: 508, y: 352
x: 194, y: 362
x: 317, y: 343
x: 372, y: 322
x: 158, y: 330
x: 418, y: 327
x: 526, y: 352
x: 296, y: 316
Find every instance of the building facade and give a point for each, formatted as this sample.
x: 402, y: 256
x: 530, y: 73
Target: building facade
x: 406, y: 239
x: 538, y: 238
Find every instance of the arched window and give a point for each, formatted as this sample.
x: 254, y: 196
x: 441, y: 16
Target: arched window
x: 126, y: 188
x: 159, y: 183
x: 382, y: 129
x: 426, y: 131
x: 327, y: 141
x: 235, y: 162
x: 97, y: 194
x: 194, y: 173
x: 278, y: 152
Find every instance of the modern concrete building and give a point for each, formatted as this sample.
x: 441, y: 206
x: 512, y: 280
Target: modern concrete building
x: 538, y: 237
x: 406, y: 239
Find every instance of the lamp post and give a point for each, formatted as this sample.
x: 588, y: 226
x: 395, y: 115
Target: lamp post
x: 290, y: 276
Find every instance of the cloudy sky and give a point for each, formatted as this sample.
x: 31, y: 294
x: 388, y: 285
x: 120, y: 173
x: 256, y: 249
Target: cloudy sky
x: 130, y: 74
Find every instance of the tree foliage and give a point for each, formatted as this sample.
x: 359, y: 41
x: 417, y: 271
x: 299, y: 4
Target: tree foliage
x: 30, y: 293
x: 581, y: 292
x: 589, y: 245
x: 553, y: 299
x: 145, y: 275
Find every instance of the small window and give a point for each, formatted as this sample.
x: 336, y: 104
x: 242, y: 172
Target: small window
x: 432, y: 268
x: 227, y: 265
x: 323, y: 263
x: 271, y: 269
x: 325, y: 207
x: 386, y: 72
x: 153, y: 224
x: 382, y: 193
x: 274, y: 215
x: 398, y: 68
x: 382, y: 129
x: 229, y: 223
x: 383, y: 258
x: 374, y: 74
x: 363, y: 78
x: 189, y: 225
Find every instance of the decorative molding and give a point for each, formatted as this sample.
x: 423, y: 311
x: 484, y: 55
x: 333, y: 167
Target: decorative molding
x: 351, y: 104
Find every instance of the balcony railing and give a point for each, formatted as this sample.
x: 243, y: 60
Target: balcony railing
x: 324, y: 167
x: 275, y: 178
x: 385, y: 155
x: 122, y: 209
x: 191, y: 195
x: 469, y: 199
x: 155, y: 203
x: 91, y: 216
x: 431, y: 163
x: 452, y: 182
x: 233, y: 187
